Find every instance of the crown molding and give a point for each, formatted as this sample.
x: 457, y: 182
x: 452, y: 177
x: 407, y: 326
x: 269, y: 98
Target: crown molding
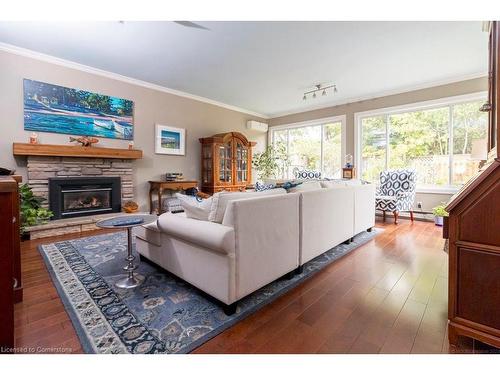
x: 133, y: 81
x: 382, y: 94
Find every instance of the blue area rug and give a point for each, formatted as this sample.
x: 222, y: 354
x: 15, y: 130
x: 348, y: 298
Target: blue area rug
x: 162, y: 315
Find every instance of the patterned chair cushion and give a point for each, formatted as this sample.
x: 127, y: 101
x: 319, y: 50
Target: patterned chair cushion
x: 386, y: 203
x: 396, y: 191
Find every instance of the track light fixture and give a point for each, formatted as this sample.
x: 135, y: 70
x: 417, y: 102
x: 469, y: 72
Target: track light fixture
x: 321, y: 88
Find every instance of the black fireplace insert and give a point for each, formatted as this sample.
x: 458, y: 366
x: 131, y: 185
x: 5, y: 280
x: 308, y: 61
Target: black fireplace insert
x: 83, y: 196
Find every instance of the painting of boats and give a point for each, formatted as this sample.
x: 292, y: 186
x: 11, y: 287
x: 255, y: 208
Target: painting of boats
x: 56, y: 109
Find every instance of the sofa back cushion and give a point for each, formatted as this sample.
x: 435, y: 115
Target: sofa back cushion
x: 305, y: 186
x: 332, y: 184
x: 220, y: 201
x: 341, y: 182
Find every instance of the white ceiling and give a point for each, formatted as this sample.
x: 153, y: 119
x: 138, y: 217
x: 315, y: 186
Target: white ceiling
x: 266, y: 66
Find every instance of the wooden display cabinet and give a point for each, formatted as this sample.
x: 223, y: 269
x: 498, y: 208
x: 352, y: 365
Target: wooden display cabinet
x: 226, y: 162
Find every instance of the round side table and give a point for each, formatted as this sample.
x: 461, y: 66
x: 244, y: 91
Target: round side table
x: 127, y: 221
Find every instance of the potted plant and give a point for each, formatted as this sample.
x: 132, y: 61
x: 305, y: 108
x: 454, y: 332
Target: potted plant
x: 32, y: 212
x: 271, y: 163
x: 439, y: 212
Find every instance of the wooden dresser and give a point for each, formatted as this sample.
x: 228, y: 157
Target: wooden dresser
x: 473, y: 230
x: 10, y: 291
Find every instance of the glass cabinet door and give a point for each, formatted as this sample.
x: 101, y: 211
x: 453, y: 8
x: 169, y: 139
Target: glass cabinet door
x: 225, y: 162
x: 207, y: 164
x: 241, y: 163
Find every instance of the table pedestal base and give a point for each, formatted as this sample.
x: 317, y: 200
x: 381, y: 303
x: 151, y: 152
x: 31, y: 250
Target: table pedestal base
x: 131, y: 281
x: 128, y: 282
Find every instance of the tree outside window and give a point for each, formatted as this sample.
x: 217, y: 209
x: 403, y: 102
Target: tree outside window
x: 312, y: 147
x: 425, y: 140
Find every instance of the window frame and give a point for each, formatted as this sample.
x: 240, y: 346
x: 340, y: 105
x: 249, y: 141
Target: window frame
x: 448, y: 102
x: 317, y: 122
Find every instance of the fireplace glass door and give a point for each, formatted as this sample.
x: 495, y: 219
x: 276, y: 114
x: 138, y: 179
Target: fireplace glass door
x: 82, y: 200
x: 84, y: 196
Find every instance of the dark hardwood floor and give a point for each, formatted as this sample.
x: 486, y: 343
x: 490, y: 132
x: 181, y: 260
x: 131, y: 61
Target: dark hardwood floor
x: 389, y: 296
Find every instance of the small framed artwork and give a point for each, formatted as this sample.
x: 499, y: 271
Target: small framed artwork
x: 170, y: 140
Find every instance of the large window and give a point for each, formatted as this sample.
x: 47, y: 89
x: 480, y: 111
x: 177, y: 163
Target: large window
x: 435, y: 139
x: 316, y: 146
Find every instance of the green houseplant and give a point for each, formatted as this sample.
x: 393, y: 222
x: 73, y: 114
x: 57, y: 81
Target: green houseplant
x: 272, y: 162
x: 439, y: 212
x: 32, y: 212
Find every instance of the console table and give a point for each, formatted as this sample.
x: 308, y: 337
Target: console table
x: 160, y: 186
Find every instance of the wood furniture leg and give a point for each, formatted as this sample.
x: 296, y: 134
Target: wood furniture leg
x: 396, y: 214
x: 151, y: 200
x: 411, y: 216
x: 160, y: 205
x: 383, y: 216
x: 452, y: 335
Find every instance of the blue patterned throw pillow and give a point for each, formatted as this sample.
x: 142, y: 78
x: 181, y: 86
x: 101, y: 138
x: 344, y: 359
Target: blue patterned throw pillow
x: 289, y: 184
x: 259, y: 186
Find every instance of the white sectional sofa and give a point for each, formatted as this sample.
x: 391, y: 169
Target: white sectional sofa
x: 258, y: 237
x: 326, y: 220
x: 258, y: 242
x: 332, y: 215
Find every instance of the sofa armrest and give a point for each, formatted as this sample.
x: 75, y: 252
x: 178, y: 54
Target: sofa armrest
x: 266, y: 239
x: 206, y: 234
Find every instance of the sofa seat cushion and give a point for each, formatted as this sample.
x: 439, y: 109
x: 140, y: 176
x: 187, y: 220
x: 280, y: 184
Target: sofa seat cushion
x: 206, y: 234
x: 220, y: 201
x: 385, y: 202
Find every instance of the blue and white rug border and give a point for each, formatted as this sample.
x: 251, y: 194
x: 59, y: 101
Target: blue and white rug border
x: 70, y: 309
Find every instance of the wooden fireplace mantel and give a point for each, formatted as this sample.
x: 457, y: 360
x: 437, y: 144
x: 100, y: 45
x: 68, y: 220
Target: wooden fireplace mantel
x: 27, y: 149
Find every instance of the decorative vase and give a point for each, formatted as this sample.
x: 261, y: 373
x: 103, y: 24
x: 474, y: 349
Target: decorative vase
x: 438, y: 220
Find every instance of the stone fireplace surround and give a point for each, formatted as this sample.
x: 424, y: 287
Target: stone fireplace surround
x: 41, y: 168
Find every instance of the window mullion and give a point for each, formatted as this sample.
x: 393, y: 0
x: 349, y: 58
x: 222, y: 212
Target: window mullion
x: 387, y: 142
x: 450, y: 145
x: 321, y: 149
x: 288, y: 151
